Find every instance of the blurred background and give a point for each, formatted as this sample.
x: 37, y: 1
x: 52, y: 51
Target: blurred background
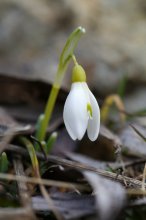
x: 33, y: 33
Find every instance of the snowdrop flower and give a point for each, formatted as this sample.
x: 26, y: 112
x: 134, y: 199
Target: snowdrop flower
x: 81, y: 110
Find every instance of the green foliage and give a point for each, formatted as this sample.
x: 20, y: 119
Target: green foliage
x: 50, y: 142
x: 27, y: 143
x: 3, y: 162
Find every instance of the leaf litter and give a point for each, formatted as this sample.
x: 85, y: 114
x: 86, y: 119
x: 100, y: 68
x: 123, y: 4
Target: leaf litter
x: 104, y: 183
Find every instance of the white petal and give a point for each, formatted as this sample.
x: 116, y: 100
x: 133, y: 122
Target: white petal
x: 73, y: 136
x: 75, y: 112
x: 94, y: 123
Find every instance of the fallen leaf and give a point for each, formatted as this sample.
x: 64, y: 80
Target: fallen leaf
x: 107, y: 193
x: 93, y: 163
x: 103, y: 148
x: 8, y: 125
x: 132, y: 143
x: 71, y: 205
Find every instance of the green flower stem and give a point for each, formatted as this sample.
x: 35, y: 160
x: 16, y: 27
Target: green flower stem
x: 74, y: 60
x: 48, y: 112
x: 63, y: 64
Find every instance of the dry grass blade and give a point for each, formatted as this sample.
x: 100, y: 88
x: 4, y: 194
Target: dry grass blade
x: 14, y: 213
x: 23, y: 190
x: 35, y: 164
x: 44, y: 192
x: 50, y: 203
x: 143, y: 178
x: 45, y: 182
x: 136, y: 192
x: 144, y: 171
x: 107, y: 105
x: 138, y: 132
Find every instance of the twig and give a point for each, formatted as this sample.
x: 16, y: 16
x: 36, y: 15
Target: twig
x: 50, y: 202
x: 135, y: 162
x: 23, y: 152
x: 78, y: 166
x: 138, y: 132
x: 23, y: 190
x: 136, y: 192
x: 143, y: 178
x: 45, y: 182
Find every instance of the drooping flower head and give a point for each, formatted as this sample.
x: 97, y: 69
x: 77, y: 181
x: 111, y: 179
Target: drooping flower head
x: 81, y: 110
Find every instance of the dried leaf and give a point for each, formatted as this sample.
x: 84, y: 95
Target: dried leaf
x: 133, y: 144
x: 31, y: 91
x: 93, y: 163
x: 103, y: 148
x: 139, y: 202
x: 8, y: 125
x: 110, y: 196
x: 71, y: 205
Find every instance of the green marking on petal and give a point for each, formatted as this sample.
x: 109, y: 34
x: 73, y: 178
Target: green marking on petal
x: 78, y: 74
x: 89, y: 109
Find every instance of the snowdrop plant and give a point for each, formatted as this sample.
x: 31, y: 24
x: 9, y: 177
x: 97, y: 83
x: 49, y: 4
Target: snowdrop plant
x: 81, y: 110
x: 66, y: 55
